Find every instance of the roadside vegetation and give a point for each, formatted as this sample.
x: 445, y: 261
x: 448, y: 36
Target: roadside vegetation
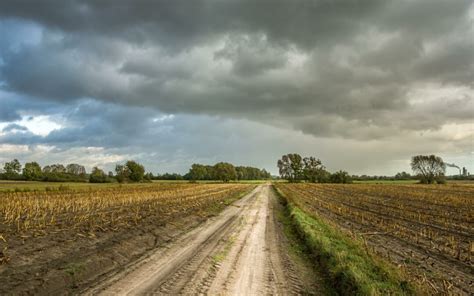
x: 425, y: 230
x: 350, y: 267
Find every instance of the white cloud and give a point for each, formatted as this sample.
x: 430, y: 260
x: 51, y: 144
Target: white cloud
x: 39, y: 125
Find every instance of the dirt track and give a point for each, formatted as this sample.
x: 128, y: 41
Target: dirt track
x: 240, y: 252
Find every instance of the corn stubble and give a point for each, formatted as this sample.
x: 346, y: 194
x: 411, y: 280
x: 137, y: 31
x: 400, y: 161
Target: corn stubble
x: 426, y: 230
x: 104, y: 209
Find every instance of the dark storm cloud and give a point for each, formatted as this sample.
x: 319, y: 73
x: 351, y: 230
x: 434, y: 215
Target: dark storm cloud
x: 332, y: 68
x: 8, y: 113
x: 12, y: 106
x: 88, y: 123
x: 97, y: 133
x: 184, y: 23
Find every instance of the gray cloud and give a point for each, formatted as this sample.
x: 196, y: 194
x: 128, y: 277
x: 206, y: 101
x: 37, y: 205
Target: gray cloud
x: 351, y: 63
x: 97, y: 133
x: 183, y: 24
x: 335, y: 70
x: 14, y: 127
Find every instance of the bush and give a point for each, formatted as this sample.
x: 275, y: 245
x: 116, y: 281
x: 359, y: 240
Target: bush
x: 132, y: 171
x: 63, y: 177
x: 341, y: 177
x: 98, y: 176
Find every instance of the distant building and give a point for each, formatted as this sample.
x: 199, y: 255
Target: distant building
x: 464, y: 172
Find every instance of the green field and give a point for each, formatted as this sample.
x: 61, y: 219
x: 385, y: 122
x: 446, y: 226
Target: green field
x: 387, y: 182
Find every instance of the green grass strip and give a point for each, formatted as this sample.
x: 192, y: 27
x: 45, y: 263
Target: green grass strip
x: 351, y: 269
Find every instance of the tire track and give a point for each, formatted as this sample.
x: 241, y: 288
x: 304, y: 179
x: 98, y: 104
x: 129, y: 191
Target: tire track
x: 239, y: 252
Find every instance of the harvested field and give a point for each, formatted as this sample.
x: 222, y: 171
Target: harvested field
x: 103, y: 209
x: 428, y: 231
x: 51, y: 241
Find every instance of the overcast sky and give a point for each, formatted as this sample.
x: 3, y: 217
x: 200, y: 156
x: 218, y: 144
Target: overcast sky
x: 362, y: 85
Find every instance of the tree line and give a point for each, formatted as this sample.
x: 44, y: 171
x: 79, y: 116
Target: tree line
x: 226, y: 172
x: 428, y: 169
x: 295, y: 168
x: 292, y: 167
x: 130, y: 171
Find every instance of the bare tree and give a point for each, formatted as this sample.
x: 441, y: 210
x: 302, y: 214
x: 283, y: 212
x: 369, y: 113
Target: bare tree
x: 429, y: 168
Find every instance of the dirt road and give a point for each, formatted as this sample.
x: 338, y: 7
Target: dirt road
x: 240, y: 252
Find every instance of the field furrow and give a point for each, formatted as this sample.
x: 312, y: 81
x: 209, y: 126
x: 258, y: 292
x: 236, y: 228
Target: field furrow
x: 427, y: 231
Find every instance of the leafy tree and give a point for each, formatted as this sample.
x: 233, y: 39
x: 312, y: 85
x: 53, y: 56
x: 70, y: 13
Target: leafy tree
x: 313, y: 169
x: 97, y: 176
x: 136, y: 171
x: 12, y: 169
x: 284, y: 168
x: 121, y: 173
x: 265, y: 174
x: 54, y: 168
x: 46, y: 169
x: 197, y: 172
x: 296, y: 163
x: 60, y: 173
x: 131, y: 171
x: 168, y: 176
x: 324, y: 177
x: 291, y: 167
x: 251, y: 173
x: 295, y: 168
x: 148, y: 176
x: 225, y: 171
x: 206, y: 172
x: 75, y: 169
x: 429, y: 168
x: 341, y: 177
x: 32, y: 171
x: 402, y: 176
x: 210, y: 174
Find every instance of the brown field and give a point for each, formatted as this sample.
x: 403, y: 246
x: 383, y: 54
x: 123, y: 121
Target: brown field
x: 52, y: 240
x: 428, y: 231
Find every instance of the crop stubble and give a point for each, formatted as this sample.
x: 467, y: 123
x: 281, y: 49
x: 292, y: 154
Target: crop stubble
x: 426, y: 230
x: 48, y: 238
